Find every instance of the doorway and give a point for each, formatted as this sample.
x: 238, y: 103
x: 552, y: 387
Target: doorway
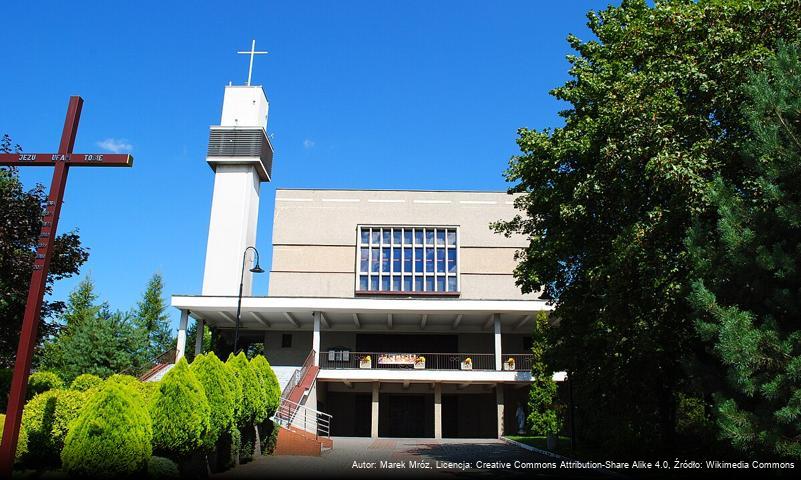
x: 406, y: 415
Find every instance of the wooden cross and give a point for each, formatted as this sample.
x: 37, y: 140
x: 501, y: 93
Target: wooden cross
x: 62, y: 161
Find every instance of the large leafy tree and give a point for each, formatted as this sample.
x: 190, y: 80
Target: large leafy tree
x: 748, y: 258
x: 152, y: 321
x: 20, y: 223
x: 653, y: 114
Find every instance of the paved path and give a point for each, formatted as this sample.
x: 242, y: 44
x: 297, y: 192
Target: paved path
x: 448, y: 458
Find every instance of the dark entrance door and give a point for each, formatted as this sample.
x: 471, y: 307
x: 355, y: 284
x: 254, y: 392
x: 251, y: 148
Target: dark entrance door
x: 403, y: 416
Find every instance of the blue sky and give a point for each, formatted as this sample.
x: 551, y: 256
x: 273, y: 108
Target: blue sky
x: 363, y: 94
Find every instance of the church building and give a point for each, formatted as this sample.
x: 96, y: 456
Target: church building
x: 390, y: 313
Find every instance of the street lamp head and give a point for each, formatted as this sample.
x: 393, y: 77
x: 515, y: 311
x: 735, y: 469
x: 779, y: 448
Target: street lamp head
x: 257, y: 269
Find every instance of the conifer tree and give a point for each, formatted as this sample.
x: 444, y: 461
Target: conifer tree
x: 747, y: 254
x: 543, y: 416
x: 152, y: 321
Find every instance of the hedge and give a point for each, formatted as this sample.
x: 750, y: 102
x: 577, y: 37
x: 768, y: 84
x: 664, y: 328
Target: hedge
x: 46, y: 420
x: 212, y: 374
x: 160, y: 467
x: 22, y: 440
x: 180, y: 413
x: 85, y: 382
x: 272, y: 389
x: 39, y: 382
x: 251, y: 399
x: 111, y: 437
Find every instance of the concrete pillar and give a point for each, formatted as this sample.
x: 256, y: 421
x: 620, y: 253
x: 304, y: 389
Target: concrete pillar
x: 497, y: 322
x: 374, y: 412
x: 180, y: 345
x: 199, y: 337
x: 499, y: 402
x: 316, y: 338
x: 437, y: 410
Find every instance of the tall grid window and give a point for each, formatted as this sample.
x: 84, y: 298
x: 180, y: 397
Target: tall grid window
x: 408, y: 259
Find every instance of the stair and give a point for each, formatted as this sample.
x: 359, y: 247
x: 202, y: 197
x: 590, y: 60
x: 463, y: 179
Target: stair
x: 302, y: 430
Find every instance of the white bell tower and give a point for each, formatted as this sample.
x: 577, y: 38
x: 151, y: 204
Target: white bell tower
x: 241, y: 156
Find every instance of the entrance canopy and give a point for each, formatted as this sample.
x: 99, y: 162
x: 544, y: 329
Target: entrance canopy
x: 369, y: 314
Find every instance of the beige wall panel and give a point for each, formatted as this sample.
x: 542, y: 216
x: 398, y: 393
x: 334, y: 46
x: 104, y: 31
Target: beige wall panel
x: 492, y: 287
x: 287, y: 284
x: 335, y: 214
x: 487, y: 260
x: 313, y: 258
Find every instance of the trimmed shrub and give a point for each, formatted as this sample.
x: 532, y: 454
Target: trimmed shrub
x: 86, y: 381
x: 180, y: 413
x: 46, y: 420
x: 236, y: 388
x: 123, y: 379
x: 272, y: 392
x: 268, y: 434
x: 212, y: 374
x: 160, y: 467
x: 251, y: 399
x: 228, y: 449
x: 39, y: 382
x: 111, y: 437
x: 146, y: 389
x: 22, y: 440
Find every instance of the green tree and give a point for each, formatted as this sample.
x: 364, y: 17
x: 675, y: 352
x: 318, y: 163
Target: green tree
x: 111, y: 437
x: 543, y: 411
x: 20, y: 224
x: 152, y: 321
x: 180, y: 413
x: 748, y: 259
x: 93, y: 340
x: 608, y: 198
x: 212, y: 374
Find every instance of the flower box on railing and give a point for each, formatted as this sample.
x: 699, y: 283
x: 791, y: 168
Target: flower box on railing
x: 420, y: 363
x: 467, y: 364
x: 366, y: 362
x: 509, y: 364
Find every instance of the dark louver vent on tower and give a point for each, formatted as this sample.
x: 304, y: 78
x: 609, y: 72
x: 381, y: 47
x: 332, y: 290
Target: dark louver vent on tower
x: 230, y: 142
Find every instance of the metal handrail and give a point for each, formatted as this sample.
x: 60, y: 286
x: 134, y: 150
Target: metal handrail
x: 298, y: 375
x: 291, y: 413
x: 345, y: 359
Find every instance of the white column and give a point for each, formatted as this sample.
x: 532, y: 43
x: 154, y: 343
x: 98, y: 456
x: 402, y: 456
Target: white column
x: 199, y: 336
x: 316, y: 338
x: 497, y: 322
x: 180, y: 346
x: 499, y: 402
x: 374, y: 412
x: 437, y: 410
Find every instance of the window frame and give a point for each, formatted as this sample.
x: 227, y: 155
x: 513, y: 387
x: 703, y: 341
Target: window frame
x: 434, y: 274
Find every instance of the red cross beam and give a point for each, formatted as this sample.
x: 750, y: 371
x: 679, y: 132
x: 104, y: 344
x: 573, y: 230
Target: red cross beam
x: 73, y: 159
x: 61, y: 160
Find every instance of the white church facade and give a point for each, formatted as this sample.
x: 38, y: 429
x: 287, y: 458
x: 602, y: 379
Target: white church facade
x: 390, y: 313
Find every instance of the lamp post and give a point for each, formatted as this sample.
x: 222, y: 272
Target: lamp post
x: 255, y: 269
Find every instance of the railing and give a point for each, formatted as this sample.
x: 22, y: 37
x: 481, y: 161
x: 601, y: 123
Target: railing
x: 519, y: 361
x: 298, y: 375
x: 291, y: 414
x: 345, y: 359
x: 144, y: 370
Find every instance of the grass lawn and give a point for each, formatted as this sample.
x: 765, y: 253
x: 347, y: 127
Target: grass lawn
x: 562, y: 445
